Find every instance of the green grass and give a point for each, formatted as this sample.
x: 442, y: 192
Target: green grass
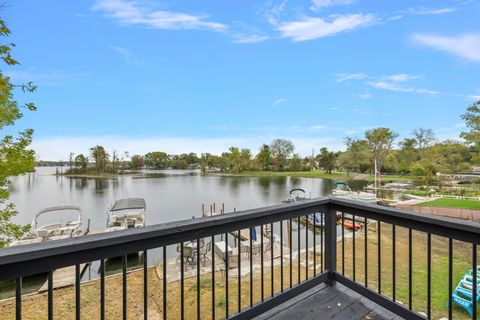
x: 453, y: 203
x: 336, y: 175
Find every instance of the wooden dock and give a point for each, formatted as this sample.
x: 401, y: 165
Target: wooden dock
x: 64, y: 277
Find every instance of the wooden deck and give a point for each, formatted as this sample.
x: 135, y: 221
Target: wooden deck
x: 328, y: 302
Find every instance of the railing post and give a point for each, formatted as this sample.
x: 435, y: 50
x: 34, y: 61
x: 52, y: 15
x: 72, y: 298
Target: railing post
x: 331, y: 242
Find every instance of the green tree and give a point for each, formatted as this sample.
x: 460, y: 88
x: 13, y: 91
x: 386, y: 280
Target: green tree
x: 264, y: 157
x: 451, y: 156
x: 15, y: 156
x: 355, y: 158
x: 81, y: 162
x: 326, y: 160
x: 472, y: 121
x: 137, y: 162
x: 295, y: 163
x: 100, y: 156
x: 423, y: 137
x: 234, y: 159
x: 245, y: 159
x: 281, y: 149
x: 156, y: 160
x: 380, y: 142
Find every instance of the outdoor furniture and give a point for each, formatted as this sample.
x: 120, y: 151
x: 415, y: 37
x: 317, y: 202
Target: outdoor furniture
x: 222, y: 249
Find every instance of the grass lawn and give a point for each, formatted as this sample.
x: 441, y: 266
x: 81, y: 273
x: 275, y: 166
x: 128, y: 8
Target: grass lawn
x: 317, y: 174
x: 453, y: 203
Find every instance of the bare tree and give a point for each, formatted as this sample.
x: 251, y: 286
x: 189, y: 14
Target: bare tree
x: 424, y: 137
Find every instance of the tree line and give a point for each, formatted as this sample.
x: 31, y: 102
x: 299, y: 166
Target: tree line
x: 420, y: 154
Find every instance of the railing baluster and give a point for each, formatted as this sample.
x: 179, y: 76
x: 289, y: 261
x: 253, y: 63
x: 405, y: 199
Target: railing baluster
x: 239, y: 273
x: 365, y: 230
x: 261, y: 263
x: 299, y: 246
x: 124, y: 286
x: 145, y: 285
x: 102, y: 289
x: 322, y: 258
x: 394, y: 262
x: 251, y: 267
x: 353, y: 247
x: 379, y: 240
x: 290, y: 251
x: 164, y: 283
x: 474, y: 282
x: 429, y: 276
x: 314, y: 244
x: 77, y: 292
x: 226, y: 274
x: 50, y: 295
x: 271, y: 260
x: 198, y: 277
x: 306, y: 247
x: 331, y: 243
x: 213, y: 277
x: 450, y: 278
x: 281, y: 256
x: 343, y: 243
x: 410, y: 268
x: 182, y: 282
x: 18, y: 298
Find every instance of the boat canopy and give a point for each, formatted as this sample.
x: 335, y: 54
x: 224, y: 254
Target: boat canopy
x: 65, y: 207
x: 129, y: 203
x: 340, y: 184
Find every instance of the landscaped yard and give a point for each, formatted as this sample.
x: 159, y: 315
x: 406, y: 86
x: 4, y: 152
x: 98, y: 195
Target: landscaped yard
x: 453, y: 203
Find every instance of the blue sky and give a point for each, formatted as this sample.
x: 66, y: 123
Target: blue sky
x: 199, y: 76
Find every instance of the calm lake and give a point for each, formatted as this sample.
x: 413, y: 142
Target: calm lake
x: 169, y: 194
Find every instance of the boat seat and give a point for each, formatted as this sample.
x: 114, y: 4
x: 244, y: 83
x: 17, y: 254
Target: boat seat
x: 50, y: 226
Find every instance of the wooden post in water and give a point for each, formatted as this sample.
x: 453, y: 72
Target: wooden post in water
x: 214, y: 207
x: 211, y: 210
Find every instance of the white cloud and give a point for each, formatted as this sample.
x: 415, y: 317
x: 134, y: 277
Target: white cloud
x: 402, y: 77
x: 466, y: 46
x: 310, y: 28
x: 279, y: 101
x: 128, y: 56
x: 334, y: 108
x: 391, y: 86
x: 360, y: 112
x: 242, y: 38
x: 350, y: 76
x: 318, y: 127
x: 474, y: 97
x: 365, y: 96
x: 432, y: 11
x: 51, y: 78
x: 319, y: 4
x: 129, y: 12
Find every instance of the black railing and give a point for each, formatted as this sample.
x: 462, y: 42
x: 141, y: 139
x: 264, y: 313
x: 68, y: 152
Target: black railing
x: 314, y: 254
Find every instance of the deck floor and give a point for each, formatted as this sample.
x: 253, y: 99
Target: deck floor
x: 329, y: 302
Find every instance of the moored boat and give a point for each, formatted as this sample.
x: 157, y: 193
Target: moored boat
x: 342, y: 190
x: 67, y: 223
x: 126, y: 213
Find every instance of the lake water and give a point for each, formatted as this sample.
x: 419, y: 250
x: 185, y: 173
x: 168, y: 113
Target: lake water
x: 170, y: 194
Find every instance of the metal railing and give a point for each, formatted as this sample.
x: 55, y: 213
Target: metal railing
x: 315, y: 254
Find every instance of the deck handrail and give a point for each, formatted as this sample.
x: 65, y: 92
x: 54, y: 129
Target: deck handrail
x: 22, y: 261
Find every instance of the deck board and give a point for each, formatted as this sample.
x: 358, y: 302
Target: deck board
x: 328, y: 302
